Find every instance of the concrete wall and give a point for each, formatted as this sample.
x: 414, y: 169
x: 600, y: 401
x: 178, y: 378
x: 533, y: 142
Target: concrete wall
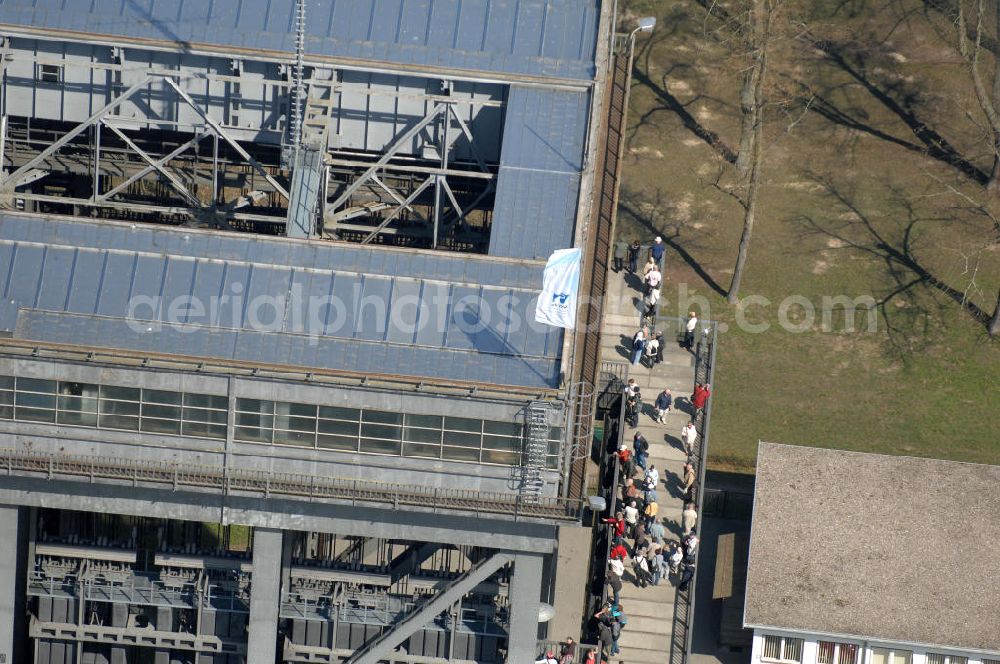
x: 810, y: 648
x: 10, y: 574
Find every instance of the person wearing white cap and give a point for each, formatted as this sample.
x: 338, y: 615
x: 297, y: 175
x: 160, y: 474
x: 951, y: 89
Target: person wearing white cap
x: 657, y: 251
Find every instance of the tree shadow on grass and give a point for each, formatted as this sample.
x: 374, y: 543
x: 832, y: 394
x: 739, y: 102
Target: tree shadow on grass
x: 645, y: 63
x: 632, y: 203
x: 899, y: 97
x: 893, y: 246
x: 691, y: 123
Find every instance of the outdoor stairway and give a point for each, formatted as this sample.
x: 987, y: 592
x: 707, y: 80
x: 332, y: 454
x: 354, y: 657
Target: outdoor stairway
x: 646, y: 638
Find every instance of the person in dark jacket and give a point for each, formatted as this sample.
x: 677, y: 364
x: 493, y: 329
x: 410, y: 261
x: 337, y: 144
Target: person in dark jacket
x: 686, y: 576
x: 615, y: 583
x: 604, y: 633
x: 664, y: 400
x: 656, y: 251
x: 633, y: 256
x: 568, y: 652
x: 641, y: 447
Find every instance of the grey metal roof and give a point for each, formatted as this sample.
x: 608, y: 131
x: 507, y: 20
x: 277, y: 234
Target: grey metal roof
x: 274, y: 301
x: 879, y: 547
x: 538, y: 183
x: 549, y: 38
x: 441, y: 265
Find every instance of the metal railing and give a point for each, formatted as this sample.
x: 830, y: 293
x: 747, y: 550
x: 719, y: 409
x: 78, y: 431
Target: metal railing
x: 610, y: 468
x: 611, y: 381
x: 582, y: 650
x: 684, y: 607
x: 267, y: 484
x: 157, y: 593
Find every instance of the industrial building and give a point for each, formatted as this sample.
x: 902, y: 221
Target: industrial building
x: 271, y: 389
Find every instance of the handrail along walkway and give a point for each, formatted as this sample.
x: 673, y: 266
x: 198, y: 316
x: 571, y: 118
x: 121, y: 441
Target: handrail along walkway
x: 269, y: 484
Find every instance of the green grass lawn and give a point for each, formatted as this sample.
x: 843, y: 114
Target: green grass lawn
x: 844, y: 210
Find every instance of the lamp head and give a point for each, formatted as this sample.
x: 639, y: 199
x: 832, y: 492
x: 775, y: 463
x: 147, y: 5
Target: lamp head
x: 646, y: 24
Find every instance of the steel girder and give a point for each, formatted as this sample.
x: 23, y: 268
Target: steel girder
x: 378, y: 649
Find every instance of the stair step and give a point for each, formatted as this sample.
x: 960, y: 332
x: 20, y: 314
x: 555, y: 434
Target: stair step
x: 644, y: 641
x: 648, y: 624
x: 649, y: 607
x: 641, y: 656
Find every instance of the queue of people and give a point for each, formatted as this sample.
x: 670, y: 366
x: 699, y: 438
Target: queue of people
x: 639, y: 536
x: 644, y: 550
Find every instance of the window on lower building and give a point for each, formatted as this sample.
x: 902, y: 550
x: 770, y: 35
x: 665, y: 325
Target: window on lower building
x: 832, y: 652
x: 386, y: 432
x: 937, y: 658
x: 50, y: 73
x: 113, y: 407
x: 890, y: 656
x: 782, y: 649
x: 6, y: 397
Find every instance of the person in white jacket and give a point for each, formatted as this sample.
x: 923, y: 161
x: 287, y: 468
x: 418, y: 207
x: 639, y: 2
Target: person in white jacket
x: 689, y: 436
x: 689, y: 330
x: 689, y: 519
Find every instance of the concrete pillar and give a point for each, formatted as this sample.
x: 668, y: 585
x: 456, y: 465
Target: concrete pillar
x: 9, y: 576
x: 525, y: 590
x: 265, y: 595
x: 570, y: 592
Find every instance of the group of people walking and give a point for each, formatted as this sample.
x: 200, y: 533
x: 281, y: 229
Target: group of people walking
x: 647, y: 548
x: 639, y: 534
x: 647, y: 343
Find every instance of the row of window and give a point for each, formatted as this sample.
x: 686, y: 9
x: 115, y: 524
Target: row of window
x: 361, y: 430
x: 386, y: 432
x: 113, y: 407
x: 788, y: 649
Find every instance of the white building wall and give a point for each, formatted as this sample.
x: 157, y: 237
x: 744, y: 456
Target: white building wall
x: 810, y: 649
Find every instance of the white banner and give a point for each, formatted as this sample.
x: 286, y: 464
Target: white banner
x: 560, y: 284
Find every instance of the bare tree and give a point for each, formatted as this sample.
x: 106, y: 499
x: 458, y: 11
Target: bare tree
x: 970, y: 44
x: 994, y: 327
x: 984, y: 209
x: 752, y: 104
x: 751, y: 88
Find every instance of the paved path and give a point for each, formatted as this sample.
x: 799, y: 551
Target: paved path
x: 646, y: 637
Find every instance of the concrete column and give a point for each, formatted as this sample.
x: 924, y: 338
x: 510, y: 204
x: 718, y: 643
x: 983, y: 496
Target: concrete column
x: 265, y: 595
x: 569, y: 595
x: 525, y: 591
x: 9, y: 576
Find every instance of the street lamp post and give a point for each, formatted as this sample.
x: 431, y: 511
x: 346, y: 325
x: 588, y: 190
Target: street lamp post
x: 645, y: 24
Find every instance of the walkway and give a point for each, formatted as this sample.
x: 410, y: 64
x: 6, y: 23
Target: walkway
x: 646, y: 637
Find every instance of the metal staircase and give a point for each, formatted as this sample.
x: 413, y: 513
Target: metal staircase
x: 536, y: 449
